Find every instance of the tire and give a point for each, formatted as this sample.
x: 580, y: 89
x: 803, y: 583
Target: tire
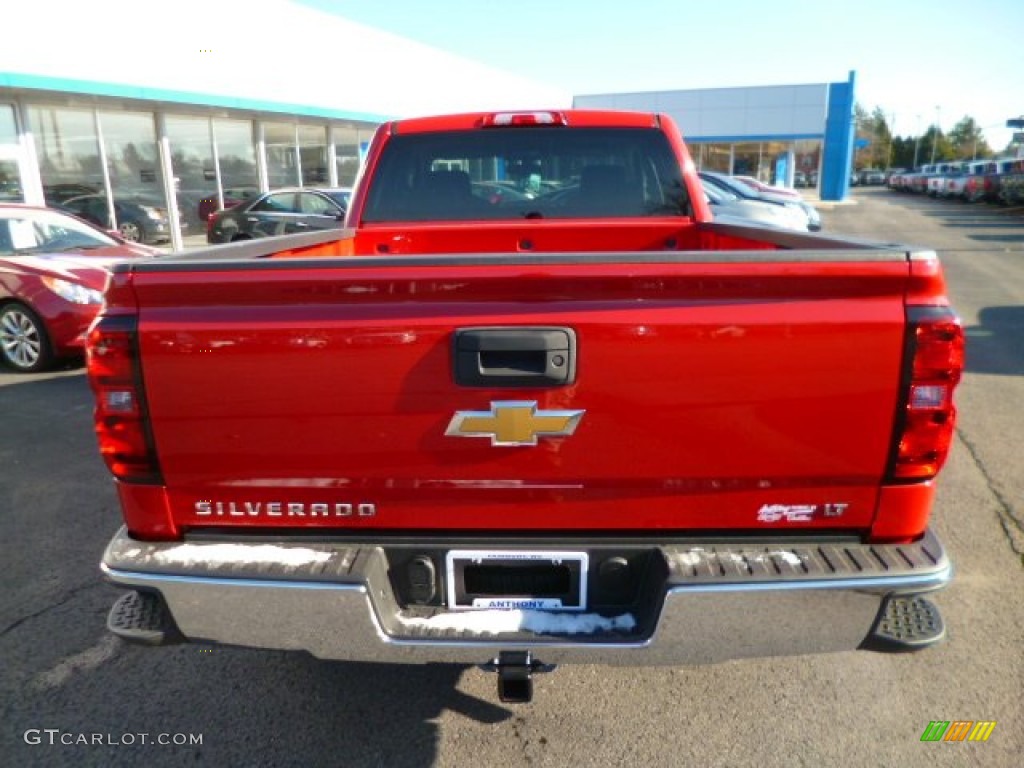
x: 132, y: 231
x: 24, y: 344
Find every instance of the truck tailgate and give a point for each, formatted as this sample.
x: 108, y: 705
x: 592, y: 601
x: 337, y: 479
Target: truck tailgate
x: 713, y: 393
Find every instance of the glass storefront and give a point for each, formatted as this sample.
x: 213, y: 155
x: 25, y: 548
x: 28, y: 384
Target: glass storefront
x: 104, y: 164
x: 778, y: 163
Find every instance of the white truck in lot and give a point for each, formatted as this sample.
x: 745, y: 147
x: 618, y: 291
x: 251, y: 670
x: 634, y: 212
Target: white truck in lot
x: 943, y: 173
x: 956, y: 184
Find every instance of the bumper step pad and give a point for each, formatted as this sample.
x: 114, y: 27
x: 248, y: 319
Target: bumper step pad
x: 143, y: 618
x: 907, y: 624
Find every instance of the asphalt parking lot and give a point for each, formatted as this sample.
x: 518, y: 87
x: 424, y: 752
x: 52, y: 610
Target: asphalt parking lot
x: 63, y: 678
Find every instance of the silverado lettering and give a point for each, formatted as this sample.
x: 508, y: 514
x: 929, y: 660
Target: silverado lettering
x: 710, y: 441
x: 280, y: 508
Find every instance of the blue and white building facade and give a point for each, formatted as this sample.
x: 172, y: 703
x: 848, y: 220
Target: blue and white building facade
x: 788, y: 135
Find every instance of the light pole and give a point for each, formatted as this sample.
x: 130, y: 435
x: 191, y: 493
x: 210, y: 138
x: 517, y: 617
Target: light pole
x: 917, y: 141
x: 892, y: 136
x: 935, y: 135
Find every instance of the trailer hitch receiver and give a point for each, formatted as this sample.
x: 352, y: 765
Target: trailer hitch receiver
x: 515, y: 675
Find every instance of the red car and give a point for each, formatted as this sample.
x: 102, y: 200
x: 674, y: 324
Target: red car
x: 232, y: 197
x: 53, y: 268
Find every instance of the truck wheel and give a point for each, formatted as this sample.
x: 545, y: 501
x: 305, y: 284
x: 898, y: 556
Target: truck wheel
x: 24, y: 344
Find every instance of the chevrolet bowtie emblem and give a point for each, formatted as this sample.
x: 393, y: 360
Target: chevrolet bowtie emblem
x: 513, y: 422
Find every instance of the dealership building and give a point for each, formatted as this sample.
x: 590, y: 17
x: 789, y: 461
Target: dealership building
x: 186, y: 114
x: 779, y: 134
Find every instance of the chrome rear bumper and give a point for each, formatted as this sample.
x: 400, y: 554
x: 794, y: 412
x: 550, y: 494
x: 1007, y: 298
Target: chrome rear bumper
x: 708, y: 602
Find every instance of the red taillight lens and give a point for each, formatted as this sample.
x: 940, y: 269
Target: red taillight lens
x: 936, y: 349
x: 120, y: 414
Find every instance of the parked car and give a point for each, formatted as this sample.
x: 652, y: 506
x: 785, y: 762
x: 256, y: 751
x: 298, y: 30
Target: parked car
x: 280, y: 212
x: 497, y: 193
x: 139, y: 219
x: 729, y: 208
x: 943, y: 173
x: 872, y: 177
x: 56, y: 194
x: 1011, y: 186
x: 917, y: 180
x: 232, y: 196
x: 890, y: 172
x: 896, y: 178
x: 955, y: 185
x: 53, y: 267
x: 997, y: 172
x: 739, y: 188
x: 760, y: 186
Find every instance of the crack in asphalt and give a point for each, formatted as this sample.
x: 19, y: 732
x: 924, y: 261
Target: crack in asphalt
x: 1013, y: 526
x: 71, y: 595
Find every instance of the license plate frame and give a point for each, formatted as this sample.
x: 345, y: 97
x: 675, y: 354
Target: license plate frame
x: 540, y: 580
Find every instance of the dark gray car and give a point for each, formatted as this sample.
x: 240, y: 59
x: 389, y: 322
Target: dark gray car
x: 280, y: 212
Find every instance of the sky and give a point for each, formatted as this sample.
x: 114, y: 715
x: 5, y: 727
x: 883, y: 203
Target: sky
x: 921, y: 61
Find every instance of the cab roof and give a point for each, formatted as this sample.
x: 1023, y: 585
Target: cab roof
x: 511, y: 118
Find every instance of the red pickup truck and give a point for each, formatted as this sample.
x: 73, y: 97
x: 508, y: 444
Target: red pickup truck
x: 580, y: 421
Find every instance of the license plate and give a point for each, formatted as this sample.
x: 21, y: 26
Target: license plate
x: 541, y: 581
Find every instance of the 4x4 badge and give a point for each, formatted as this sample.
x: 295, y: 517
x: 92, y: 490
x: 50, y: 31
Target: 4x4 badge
x: 513, y: 422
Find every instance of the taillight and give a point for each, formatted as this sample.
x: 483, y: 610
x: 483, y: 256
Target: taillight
x: 120, y: 415
x: 935, y: 350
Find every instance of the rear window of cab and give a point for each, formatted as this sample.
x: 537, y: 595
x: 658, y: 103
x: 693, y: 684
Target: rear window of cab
x: 526, y: 172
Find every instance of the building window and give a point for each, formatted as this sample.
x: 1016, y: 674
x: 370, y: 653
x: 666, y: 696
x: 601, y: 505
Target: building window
x: 236, y: 155
x: 776, y: 163
x: 136, y: 177
x: 746, y: 160
x: 282, y: 169
x: 10, y: 150
x: 313, y: 155
x: 808, y: 162
x: 192, y: 162
x: 717, y: 158
x: 68, y: 151
x: 129, y: 139
x: 346, y: 154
